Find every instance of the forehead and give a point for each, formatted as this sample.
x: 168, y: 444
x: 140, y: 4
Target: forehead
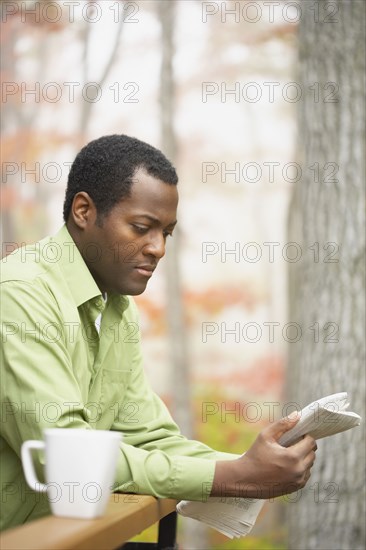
x: 151, y: 196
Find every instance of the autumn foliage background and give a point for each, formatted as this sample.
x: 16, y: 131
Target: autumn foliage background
x: 67, y: 80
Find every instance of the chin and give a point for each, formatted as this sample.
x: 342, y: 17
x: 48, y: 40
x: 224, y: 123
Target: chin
x: 133, y: 291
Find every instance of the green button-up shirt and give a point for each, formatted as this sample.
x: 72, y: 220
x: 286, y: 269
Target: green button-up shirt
x: 57, y: 370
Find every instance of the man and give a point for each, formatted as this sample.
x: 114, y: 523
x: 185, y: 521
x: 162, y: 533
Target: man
x: 70, y: 347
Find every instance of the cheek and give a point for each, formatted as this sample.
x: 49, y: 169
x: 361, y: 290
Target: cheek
x: 130, y: 250
x: 123, y: 251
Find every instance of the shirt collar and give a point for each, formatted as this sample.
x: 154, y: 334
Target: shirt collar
x: 75, y: 271
x: 77, y: 275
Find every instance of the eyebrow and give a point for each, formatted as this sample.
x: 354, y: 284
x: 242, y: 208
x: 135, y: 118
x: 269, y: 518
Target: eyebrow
x: 155, y: 220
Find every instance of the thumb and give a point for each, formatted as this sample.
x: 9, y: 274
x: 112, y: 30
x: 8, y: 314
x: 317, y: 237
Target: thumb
x: 276, y: 430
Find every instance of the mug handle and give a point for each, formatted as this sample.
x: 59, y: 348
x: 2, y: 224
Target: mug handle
x: 28, y: 466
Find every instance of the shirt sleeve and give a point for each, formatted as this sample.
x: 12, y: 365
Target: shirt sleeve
x: 37, y: 378
x: 39, y: 384
x: 156, y: 458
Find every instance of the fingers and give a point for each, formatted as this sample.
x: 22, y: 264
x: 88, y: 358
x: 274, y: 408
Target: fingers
x: 307, y: 476
x: 305, y: 446
x: 277, y: 429
x: 309, y: 460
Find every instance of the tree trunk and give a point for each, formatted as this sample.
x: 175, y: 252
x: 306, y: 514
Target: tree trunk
x: 178, y: 348
x: 194, y: 535
x: 327, y: 285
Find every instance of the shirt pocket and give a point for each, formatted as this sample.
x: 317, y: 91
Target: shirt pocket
x: 106, y: 397
x: 114, y: 386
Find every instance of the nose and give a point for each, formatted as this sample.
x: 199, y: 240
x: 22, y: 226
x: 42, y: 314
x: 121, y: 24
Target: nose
x: 156, y: 246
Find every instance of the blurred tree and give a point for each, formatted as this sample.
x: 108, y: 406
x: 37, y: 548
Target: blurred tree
x: 177, y: 338
x: 31, y: 36
x: 327, y: 286
x: 22, y: 142
x: 194, y: 533
x: 86, y: 108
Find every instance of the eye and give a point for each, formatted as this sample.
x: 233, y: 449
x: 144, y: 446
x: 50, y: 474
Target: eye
x: 167, y: 234
x: 141, y: 229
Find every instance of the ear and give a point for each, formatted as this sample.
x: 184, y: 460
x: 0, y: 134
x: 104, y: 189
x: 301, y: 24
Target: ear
x: 83, y: 211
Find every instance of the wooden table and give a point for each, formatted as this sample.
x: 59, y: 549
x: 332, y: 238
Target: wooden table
x: 126, y: 516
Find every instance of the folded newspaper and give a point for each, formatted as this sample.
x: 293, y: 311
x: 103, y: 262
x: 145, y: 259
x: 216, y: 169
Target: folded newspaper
x: 235, y: 517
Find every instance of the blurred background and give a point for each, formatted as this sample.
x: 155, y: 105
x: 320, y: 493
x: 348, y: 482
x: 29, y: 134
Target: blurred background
x: 258, y: 307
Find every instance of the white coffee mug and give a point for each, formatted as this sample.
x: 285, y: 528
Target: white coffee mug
x: 80, y: 469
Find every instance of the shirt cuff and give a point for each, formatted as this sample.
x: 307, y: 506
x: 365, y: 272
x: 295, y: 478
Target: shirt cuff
x: 193, y: 478
x: 164, y: 476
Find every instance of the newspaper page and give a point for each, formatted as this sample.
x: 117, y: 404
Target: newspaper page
x: 235, y: 517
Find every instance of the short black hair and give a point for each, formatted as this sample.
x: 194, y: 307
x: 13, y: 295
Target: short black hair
x: 105, y: 167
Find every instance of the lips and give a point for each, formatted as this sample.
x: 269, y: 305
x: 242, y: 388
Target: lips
x: 145, y: 270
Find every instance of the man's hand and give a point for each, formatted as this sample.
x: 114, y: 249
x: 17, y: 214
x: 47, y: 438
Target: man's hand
x: 267, y: 469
